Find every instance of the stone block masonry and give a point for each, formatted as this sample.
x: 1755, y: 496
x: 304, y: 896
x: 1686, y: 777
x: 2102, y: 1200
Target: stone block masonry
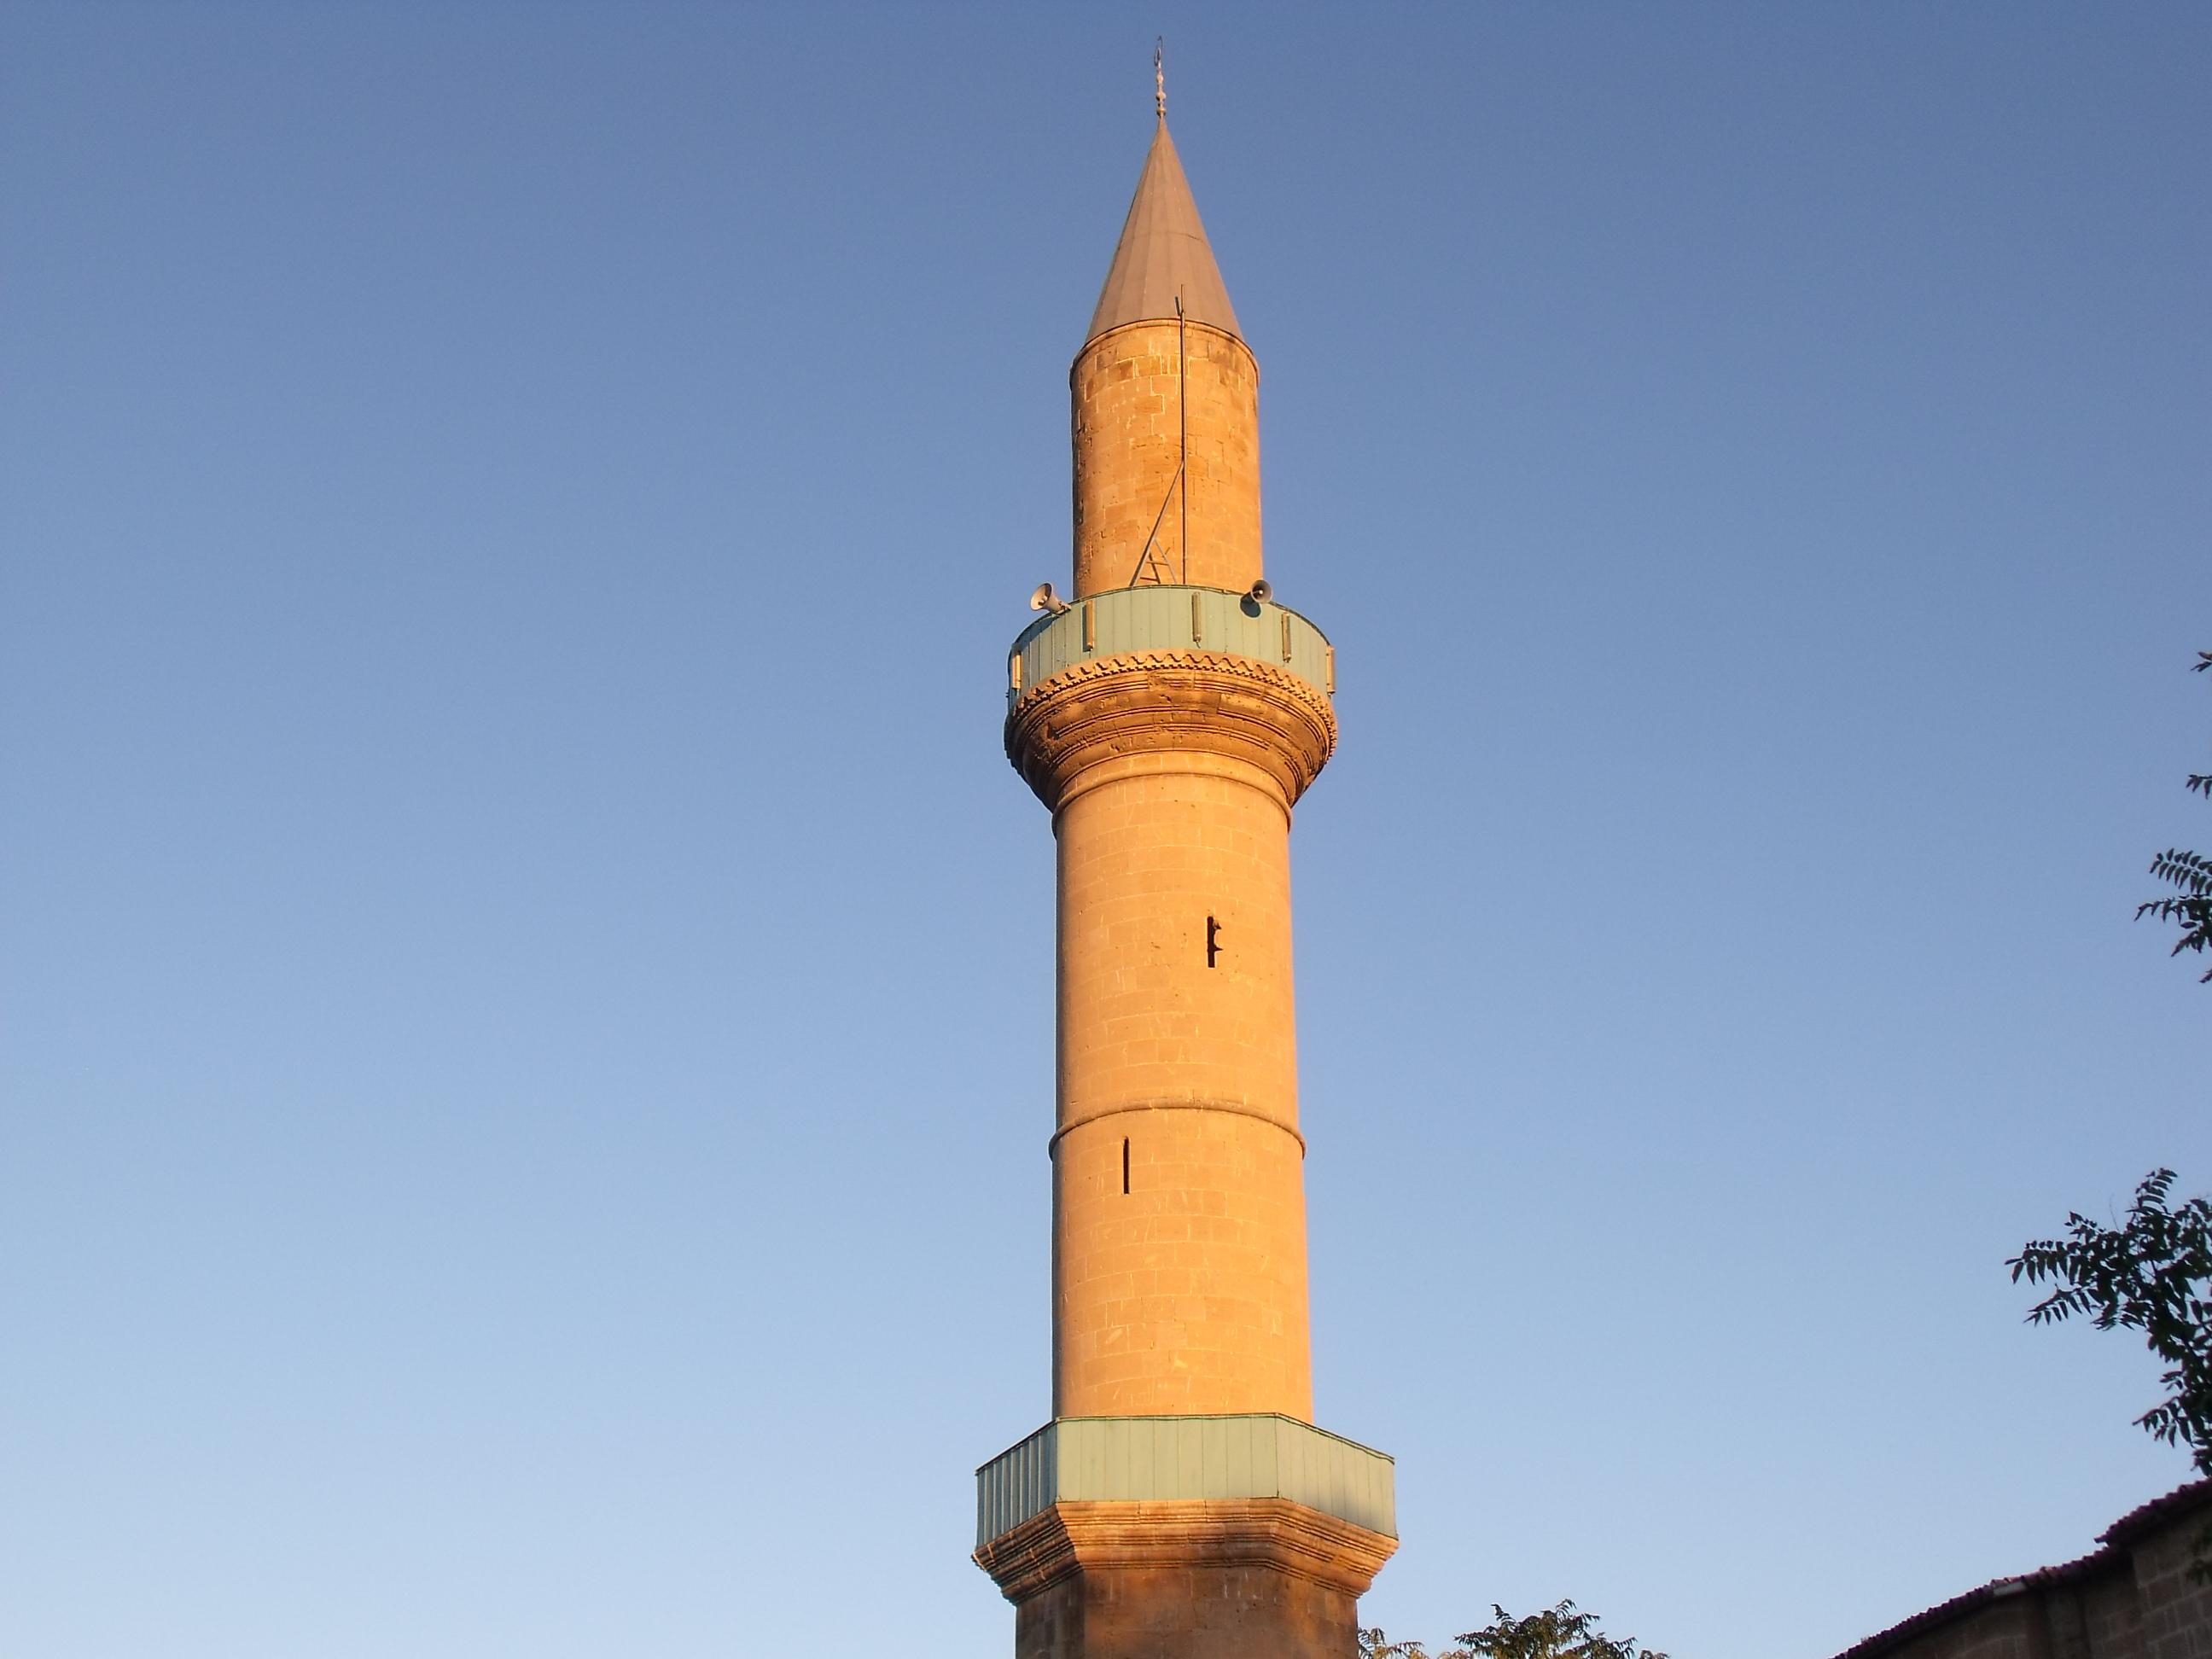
x: 1132, y: 409
x: 2134, y: 1598
x: 1169, y: 719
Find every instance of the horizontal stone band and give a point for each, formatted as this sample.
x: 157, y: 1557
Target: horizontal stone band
x: 1187, y: 1538
x: 1052, y: 1146
x: 1161, y: 1459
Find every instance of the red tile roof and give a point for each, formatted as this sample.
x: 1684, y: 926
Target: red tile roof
x: 2108, y: 1558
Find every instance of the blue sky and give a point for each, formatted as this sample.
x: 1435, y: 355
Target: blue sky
x: 527, y: 1053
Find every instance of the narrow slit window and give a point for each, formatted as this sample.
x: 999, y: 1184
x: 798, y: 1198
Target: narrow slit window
x: 1125, y: 1166
x: 1212, y: 941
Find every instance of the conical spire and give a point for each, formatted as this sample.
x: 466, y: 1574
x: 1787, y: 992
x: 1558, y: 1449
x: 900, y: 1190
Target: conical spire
x: 1163, y: 250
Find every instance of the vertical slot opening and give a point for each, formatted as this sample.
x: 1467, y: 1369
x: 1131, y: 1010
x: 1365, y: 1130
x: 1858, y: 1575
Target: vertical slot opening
x: 1125, y: 1166
x: 1212, y: 941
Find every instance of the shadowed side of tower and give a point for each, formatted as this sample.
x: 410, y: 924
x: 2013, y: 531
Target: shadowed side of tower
x: 1179, y: 1504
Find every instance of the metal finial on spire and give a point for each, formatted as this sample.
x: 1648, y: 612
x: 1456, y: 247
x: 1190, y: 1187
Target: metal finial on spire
x: 1163, y: 248
x: 1160, y: 74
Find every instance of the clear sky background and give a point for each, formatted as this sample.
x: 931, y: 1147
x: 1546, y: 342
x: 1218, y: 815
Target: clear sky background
x: 527, y: 985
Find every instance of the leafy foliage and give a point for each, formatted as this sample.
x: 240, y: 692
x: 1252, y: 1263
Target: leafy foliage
x: 1373, y: 1644
x: 1559, y: 1632
x: 2153, y: 1274
x: 2189, y: 907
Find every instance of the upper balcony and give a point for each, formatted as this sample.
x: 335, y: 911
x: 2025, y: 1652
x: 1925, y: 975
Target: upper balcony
x: 1163, y: 619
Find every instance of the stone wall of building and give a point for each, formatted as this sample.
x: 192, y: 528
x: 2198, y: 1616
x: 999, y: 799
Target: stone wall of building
x: 2133, y: 1598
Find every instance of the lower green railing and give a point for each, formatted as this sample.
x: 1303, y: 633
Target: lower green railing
x: 1134, y: 1459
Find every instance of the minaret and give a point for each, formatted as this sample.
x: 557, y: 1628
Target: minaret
x: 1179, y: 1504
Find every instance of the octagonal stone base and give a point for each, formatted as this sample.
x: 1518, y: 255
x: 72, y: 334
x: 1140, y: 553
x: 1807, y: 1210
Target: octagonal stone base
x: 1219, y: 1578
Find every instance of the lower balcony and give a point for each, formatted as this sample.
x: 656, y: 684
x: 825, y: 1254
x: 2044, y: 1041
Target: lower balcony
x: 1163, y: 1459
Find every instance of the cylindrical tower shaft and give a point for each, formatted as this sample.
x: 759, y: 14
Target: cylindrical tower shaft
x: 1167, y: 457
x: 1181, y: 1504
x: 1179, y: 1263
x: 1179, y: 1279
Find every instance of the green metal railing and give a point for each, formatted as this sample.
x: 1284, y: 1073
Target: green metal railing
x: 1159, y: 618
x: 1133, y: 1459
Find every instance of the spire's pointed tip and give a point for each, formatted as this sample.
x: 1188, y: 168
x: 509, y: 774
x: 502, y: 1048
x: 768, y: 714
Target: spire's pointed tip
x: 1162, y: 267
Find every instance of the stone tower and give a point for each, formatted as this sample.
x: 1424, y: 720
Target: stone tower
x: 1181, y: 1504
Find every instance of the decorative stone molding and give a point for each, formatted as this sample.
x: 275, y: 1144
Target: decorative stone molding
x: 1272, y: 1533
x: 1162, y: 703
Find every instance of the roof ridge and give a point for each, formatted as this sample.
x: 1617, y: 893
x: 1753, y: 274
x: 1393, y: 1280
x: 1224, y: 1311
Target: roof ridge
x: 2182, y: 1499
x: 2105, y: 1558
